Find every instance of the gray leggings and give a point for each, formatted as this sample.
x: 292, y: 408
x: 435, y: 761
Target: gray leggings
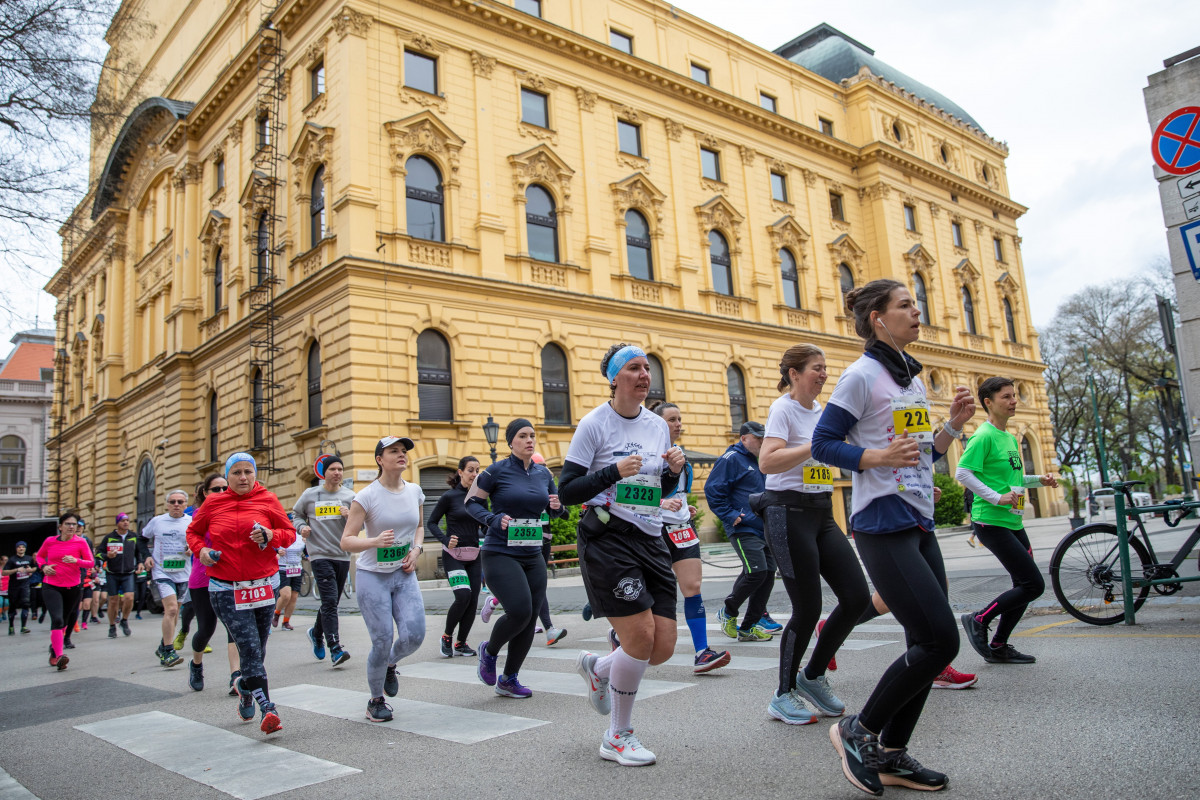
x: 388, y: 599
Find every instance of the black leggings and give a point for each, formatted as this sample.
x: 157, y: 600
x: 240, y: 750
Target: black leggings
x: 907, y: 570
x: 462, y: 610
x: 186, y: 615
x: 544, y: 611
x: 519, y: 583
x: 1012, y: 549
x: 59, y: 601
x: 330, y: 577
x: 809, y: 545
x: 250, y: 629
x: 206, y: 619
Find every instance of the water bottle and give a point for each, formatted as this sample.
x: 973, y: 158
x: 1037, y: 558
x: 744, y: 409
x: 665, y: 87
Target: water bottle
x: 215, y: 555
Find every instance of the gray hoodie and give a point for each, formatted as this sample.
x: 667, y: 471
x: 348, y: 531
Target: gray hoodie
x: 321, y: 511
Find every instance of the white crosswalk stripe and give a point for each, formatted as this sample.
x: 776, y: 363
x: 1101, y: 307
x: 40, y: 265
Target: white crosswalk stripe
x: 450, y: 723
x: 11, y: 789
x: 553, y: 682
x: 244, y: 767
x: 677, y: 660
x: 723, y: 642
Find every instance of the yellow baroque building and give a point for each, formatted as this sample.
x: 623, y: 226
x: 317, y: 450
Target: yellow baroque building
x: 324, y: 222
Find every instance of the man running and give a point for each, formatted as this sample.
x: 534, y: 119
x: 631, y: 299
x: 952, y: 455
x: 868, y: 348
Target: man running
x: 19, y: 569
x: 320, y: 518
x: 171, y: 567
x: 121, y: 551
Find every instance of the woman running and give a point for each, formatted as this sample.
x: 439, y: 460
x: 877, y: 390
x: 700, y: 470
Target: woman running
x: 244, y: 526
x: 877, y: 423
x: 806, y: 540
x: 620, y: 463
x: 460, y: 556
x: 61, y: 559
x: 523, y: 496
x: 684, y: 544
x: 991, y: 468
x: 212, y: 483
x: 387, y: 590
x: 201, y: 603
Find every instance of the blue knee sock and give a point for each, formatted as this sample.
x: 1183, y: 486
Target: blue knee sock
x: 693, y: 612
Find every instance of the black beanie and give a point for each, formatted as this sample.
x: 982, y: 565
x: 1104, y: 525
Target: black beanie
x: 510, y: 432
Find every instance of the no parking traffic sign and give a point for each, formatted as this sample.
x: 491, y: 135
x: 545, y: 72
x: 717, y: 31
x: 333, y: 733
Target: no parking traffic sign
x: 1176, y: 142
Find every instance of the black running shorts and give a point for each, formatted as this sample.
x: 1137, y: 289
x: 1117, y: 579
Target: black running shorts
x: 625, y: 572
x: 292, y: 582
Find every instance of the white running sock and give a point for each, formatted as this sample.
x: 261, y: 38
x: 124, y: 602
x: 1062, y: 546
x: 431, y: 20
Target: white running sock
x: 625, y: 675
x: 604, y: 663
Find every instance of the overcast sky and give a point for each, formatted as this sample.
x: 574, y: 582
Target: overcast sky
x: 1059, y: 80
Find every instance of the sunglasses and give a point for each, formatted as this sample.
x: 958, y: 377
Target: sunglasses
x: 177, y: 502
x: 218, y: 489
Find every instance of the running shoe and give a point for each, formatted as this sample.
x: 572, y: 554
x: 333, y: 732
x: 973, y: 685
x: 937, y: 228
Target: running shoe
x: 971, y: 540
x: 112, y: 631
x: 25, y: 630
x: 447, y: 648
x: 833, y: 661
x: 728, y: 623
x: 180, y: 639
x: 625, y: 749
x: 464, y: 649
x: 587, y: 612
x: 898, y: 768
x: 950, y: 678
x: 318, y: 648
x: 489, y: 605
x: 977, y: 634
x: 708, y: 659
x: 169, y: 658
x: 68, y: 644
x: 391, y: 685
x: 41, y: 618
x: 555, y: 635
x: 538, y: 629
x: 585, y: 665
x: 486, y: 668
x: 755, y: 634
x: 1007, y: 654
x: 509, y: 686
x: 60, y: 662
x: 613, y: 641
x: 287, y: 626
x: 233, y: 676
x: 12, y: 632
x: 337, y: 657
x: 859, y: 752
x: 84, y: 626
x: 270, y: 719
x: 790, y: 708
x: 137, y: 615
x: 820, y: 695
x: 207, y: 648
x: 769, y: 625
x: 245, y: 703
x: 275, y: 620
x: 76, y: 627
x: 378, y: 710
x: 196, y: 676
x: 125, y: 627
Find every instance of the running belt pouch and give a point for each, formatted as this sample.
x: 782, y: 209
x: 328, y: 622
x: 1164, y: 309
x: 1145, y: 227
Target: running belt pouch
x: 791, y: 499
x: 463, y: 553
x: 757, y: 504
x: 590, y: 522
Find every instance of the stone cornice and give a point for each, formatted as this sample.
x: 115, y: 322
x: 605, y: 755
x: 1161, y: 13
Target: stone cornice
x: 883, y: 152
x: 238, y: 74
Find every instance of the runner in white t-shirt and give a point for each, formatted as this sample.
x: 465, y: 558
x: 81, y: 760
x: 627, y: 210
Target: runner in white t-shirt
x: 291, y: 569
x: 170, y: 568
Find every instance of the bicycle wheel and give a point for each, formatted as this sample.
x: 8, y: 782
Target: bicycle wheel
x: 1085, y: 572
x: 306, y: 584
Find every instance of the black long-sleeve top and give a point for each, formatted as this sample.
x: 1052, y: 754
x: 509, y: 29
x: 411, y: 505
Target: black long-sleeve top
x: 452, y: 507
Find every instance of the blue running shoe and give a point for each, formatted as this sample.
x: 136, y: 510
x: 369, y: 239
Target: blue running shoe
x: 790, y: 708
x: 509, y: 686
x: 818, y: 693
x: 769, y: 625
x: 245, y: 703
x: 318, y: 647
x: 487, y: 665
x: 587, y: 611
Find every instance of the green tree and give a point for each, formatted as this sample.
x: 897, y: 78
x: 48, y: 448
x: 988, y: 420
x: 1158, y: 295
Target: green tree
x: 949, y: 510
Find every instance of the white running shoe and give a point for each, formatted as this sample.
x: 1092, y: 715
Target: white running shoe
x: 585, y: 665
x: 554, y: 636
x: 625, y: 749
x: 489, y: 605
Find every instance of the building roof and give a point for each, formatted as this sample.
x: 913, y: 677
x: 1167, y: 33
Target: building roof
x: 832, y: 54
x: 147, y: 116
x: 26, y: 361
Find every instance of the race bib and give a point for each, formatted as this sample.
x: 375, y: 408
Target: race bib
x: 292, y: 570
x: 253, y: 594
x: 682, y: 535
x: 525, y: 533
x: 390, y: 555
x: 458, y: 579
x: 174, y: 563
x: 911, y: 413
x: 639, y: 492
x: 324, y: 510
x: 115, y: 549
x: 818, y: 477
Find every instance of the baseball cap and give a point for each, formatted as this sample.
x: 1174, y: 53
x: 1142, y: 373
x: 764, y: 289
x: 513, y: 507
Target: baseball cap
x: 752, y: 427
x: 388, y: 441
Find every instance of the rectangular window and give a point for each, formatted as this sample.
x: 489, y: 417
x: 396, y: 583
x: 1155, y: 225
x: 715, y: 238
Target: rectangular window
x: 710, y: 164
x: 533, y: 7
x: 316, y: 81
x: 262, y: 131
x: 621, y: 41
x: 700, y: 74
x: 910, y: 218
x: 420, y: 72
x: 219, y: 172
x: 768, y: 102
x: 779, y: 187
x: 629, y: 137
x: 826, y: 126
x: 998, y: 246
x: 956, y: 233
x: 47, y: 373
x: 836, y: 210
x: 535, y: 108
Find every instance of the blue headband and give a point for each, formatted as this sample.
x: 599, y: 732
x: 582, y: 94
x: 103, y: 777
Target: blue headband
x: 621, y: 358
x: 235, y: 458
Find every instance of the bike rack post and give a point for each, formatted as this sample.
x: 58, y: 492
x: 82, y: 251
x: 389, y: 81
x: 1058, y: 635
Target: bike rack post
x: 1123, y: 548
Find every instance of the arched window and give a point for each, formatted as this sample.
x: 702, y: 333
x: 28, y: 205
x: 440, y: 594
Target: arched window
x: 434, y: 394
x: 12, y: 461
x: 791, y: 278
x: 423, y: 187
x: 737, y: 396
x: 213, y: 452
x: 316, y: 211
x: 1009, y: 322
x: 541, y: 224
x: 314, y: 386
x: 556, y: 388
x: 262, y: 250
x: 256, y: 407
x: 722, y: 265
x: 145, y: 494
x: 658, y: 380
x: 218, y: 282
x: 846, y: 277
x: 922, y: 298
x: 968, y: 311
x: 637, y: 246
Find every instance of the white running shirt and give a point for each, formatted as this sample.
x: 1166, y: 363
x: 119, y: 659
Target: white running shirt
x: 794, y: 424
x: 398, y: 511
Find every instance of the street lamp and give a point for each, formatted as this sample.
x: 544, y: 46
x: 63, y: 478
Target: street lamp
x: 490, y: 432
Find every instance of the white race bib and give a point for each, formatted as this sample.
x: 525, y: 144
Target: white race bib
x: 253, y: 594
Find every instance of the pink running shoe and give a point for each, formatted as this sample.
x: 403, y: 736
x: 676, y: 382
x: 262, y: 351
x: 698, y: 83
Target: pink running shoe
x: 950, y: 678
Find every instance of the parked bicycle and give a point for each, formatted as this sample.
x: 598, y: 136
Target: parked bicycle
x: 309, y: 586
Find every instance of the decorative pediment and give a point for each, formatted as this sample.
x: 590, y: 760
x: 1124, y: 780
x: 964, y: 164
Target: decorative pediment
x: 786, y: 232
x: 314, y: 145
x: 919, y: 259
x: 718, y: 213
x: 541, y: 165
x: 97, y: 326
x: 251, y: 201
x: 967, y: 274
x: 845, y: 249
x: 1007, y: 285
x: 79, y: 343
x: 424, y: 133
x: 638, y: 192
x: 419, y: 41
x: 214, y: 233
